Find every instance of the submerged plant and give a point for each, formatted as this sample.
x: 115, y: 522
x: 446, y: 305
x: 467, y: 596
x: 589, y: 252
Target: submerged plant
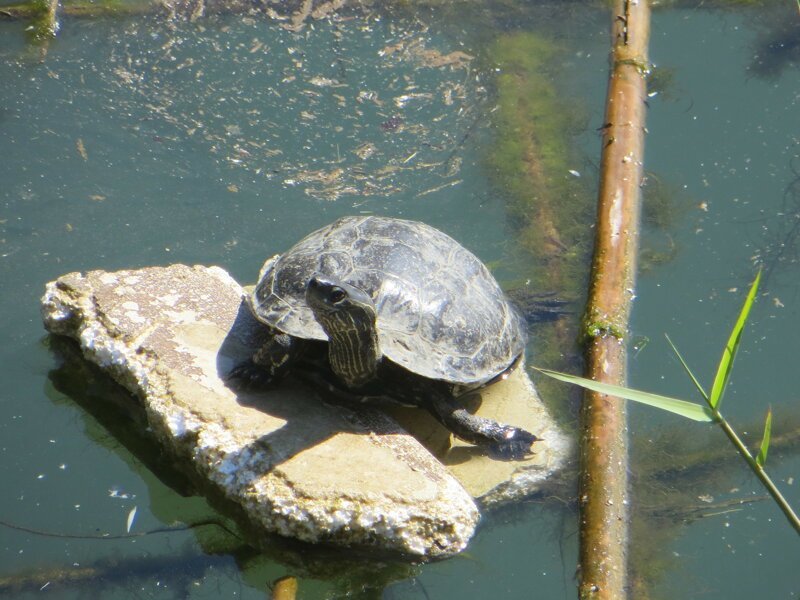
x: 535, y: 164
x: 711, y: 411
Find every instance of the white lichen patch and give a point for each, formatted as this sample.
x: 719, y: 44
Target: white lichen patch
x: 52, y: 307
x: 184, y: 316
x: 134, y: 317
x: 180, y: 423
x: 169, y: 299
x: 224, y: 277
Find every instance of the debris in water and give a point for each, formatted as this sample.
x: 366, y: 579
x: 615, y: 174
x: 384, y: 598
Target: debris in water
x: 364, y: 151
x: 392, y: 124
x: 131, y: 517
x: 325, y: 82
x: 81, y: 149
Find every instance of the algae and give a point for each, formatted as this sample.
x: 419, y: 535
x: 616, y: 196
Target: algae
x: 661, y: 81
x: 42, y: 14
x: 532, y: 161
x: 663, y: 207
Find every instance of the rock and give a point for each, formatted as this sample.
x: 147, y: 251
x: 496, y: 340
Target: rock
x: 492, y: 482
x: 295, y: 465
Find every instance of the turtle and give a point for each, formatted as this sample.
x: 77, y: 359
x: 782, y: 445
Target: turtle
x: 401, y: 310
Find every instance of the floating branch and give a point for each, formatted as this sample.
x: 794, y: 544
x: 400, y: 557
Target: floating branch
x: 604, y: 445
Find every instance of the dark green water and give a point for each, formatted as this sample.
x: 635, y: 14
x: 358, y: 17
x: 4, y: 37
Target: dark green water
x: 134, y: 143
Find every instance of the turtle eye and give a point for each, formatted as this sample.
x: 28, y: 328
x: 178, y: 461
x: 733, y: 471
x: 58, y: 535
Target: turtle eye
x: 337, y: 295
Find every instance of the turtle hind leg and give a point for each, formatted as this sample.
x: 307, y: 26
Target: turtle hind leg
x: 502, y: 441
x: 270, y: 362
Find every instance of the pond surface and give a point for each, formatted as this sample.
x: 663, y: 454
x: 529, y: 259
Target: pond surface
x: 131, y: 142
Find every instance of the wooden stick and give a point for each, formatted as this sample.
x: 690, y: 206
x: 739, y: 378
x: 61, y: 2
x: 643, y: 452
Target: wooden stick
x: 603, y: 497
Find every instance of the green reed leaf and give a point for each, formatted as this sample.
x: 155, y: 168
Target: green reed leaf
x: 761, y: 459
x: 729, y: 353
x: 690, y: 410
x: 687, y: 369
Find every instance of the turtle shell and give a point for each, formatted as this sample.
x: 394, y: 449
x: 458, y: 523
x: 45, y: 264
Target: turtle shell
x: 441, y: 314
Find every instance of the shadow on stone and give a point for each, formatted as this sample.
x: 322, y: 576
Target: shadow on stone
x: 305, y: 391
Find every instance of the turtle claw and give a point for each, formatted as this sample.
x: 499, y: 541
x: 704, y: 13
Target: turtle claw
x: 516, y: 445
x: 249, y: 375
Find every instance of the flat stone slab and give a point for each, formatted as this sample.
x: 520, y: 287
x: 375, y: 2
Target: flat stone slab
x: 296, y: 465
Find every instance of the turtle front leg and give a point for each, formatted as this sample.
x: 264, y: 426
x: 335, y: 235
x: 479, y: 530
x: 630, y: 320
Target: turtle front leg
x: 502, y: 441
x: 270, y: 362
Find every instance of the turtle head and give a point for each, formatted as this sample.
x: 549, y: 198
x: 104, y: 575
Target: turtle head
x: 329, y: 295
x: 349, y: 318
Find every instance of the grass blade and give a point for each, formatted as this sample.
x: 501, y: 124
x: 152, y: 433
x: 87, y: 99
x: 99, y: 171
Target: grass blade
x: 686, y: 367
x: 761, y: 459
x: 690, y: 410
x: 729, y: 353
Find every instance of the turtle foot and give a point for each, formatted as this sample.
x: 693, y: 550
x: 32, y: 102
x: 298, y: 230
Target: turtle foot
x: 504, y: 442
x: 249, y: 375
x: 516, y: 444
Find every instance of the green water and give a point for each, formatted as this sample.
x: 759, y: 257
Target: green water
x: 223, y: 141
